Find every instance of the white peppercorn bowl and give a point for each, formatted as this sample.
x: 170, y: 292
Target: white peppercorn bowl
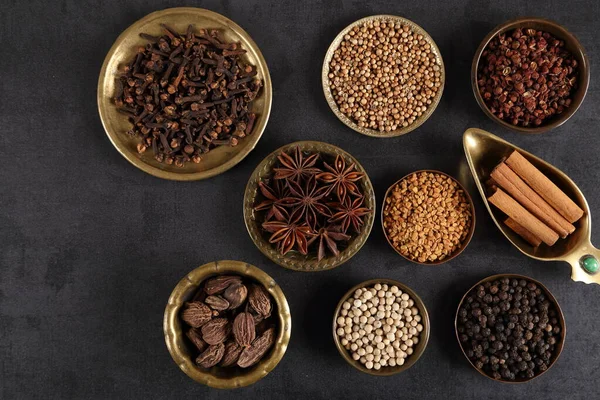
x: 464, y: 243
x: 329, y: 96
x: 418, y: 350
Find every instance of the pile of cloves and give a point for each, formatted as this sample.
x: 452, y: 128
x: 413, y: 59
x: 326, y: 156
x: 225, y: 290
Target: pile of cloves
x: 187, y: 94
x: 230, y: 322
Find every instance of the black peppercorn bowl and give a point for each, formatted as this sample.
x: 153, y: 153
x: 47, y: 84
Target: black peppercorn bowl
x: 559, y: 316
x: 571, y: 44
x: 419, y: 349
x: 180, y: 349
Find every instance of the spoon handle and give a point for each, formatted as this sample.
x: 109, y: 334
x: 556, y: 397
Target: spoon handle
x: 585, y: 264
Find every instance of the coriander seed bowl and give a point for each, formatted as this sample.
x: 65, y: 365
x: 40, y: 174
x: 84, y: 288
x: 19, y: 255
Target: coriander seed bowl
x: 117, y: 124
x: 424, y: 39
x: 465, y: 239
x: 181, y: 349
x: 416, y: 350
x: 571, y: 44
x: 295, y: 259
x: 555, y: 326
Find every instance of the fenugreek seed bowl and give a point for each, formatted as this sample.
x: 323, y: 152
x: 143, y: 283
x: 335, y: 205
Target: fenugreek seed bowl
x: 550, y: 297
x: 571, y: 44
x: 116, y: 124
x: 418, y: 350
x: 465, y: 241
x: 295, y: 260
x: 327, y: 84
x: 182, y: 352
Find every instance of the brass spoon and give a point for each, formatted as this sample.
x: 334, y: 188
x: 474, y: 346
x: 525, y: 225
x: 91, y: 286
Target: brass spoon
x: 484, y: 151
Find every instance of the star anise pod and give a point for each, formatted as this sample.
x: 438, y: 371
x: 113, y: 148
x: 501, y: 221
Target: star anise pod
x: 350, y: 212
x: 327, y: 237
x: 289, y: 234
x: 275, y: 200
x: 340, y: 178
x: 307, y: 201
x: 296, y: 167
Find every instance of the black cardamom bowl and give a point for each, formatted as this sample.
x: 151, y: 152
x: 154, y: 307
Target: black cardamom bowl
x: 418, y: 350
x: 571, y: 44
x: 560, y: 317
x: 183, y: 353
x: 295, y: 260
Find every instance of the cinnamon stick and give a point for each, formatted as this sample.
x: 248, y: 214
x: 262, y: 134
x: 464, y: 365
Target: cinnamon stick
x: 526, y: 219
x: 524, y: 233
x: 508, y: 180
x: 544, y: 187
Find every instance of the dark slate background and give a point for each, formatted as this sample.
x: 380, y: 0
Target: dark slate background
x: 91, y: 247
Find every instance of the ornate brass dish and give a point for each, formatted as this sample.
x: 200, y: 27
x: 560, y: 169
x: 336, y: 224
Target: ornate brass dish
x: 551, y: 298
x: 419, y: 348
x: 294, y: 260
x: 484, y: 151
x: 331, y: 101
x: 224, y: 378
x: 116, y: 124
x: 571, y: 44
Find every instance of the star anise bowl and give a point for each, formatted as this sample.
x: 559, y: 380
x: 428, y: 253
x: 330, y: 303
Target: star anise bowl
x: 294, y: 259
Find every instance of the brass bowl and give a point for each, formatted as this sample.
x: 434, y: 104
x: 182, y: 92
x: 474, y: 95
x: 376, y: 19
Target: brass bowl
x: 116, y: 124
x: 294, y: 260
x: 180, y: 349
x: 467, y: 239
x: 483, y: 152
x: 551, y: 298
x: 331, y: 101
x: 571, y: 44
x: 417, y: 351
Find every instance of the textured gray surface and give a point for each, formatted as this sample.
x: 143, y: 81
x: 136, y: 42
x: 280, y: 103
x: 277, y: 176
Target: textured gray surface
x: 91, y: 247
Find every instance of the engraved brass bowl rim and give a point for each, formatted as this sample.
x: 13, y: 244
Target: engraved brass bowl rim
x: 464, y: 243
x: 331, y: 101
x: 573, y: 45
x: 174, y: 336
x: 125, y: 47
x: 294, y: 260
x: 423, y: 336
x: 479, y: 146
x: 550, y: 296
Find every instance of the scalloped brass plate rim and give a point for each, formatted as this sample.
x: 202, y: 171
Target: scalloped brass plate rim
x: 297, y: 262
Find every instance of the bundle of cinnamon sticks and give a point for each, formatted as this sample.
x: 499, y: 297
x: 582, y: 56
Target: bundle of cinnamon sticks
x: 537, y: 209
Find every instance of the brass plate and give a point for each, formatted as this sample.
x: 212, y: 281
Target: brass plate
x: 116, y: 124
x: 571, y: 44
x: 561, y: 320
x: 417, y: 351
x: 484, y: 151
x: 224, y: 378
x: 294, y: 260
x: 331, y: 101
x: 465, y: 242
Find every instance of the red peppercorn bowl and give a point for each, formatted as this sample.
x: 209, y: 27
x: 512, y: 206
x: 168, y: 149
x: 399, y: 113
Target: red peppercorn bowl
x: 419, y: 349
x: 560, y: 316
x: 219, y: 377
x: 464, y: 243
x: 571, y: 44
